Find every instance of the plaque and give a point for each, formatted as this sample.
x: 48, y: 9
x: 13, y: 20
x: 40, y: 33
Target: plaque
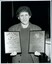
x: 37, y: 41
x: 12, y: 42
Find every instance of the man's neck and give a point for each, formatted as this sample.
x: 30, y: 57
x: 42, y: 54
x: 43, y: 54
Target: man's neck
x: 24, y: 25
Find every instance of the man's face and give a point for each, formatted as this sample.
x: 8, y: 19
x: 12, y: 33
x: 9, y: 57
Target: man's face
x: 24, y: 17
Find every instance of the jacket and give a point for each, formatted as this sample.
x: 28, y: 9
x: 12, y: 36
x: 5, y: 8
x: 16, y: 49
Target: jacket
x: 17, y: 27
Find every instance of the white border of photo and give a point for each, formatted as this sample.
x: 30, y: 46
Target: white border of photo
x: 50, y: 29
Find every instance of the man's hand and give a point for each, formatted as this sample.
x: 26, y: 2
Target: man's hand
x: 13, y: 54
x: 37, y: 53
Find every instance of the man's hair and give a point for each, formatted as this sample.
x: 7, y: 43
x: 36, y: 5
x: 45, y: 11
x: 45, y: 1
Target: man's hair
x: 22, y: 9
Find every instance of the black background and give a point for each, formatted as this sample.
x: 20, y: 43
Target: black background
x: 40, y: 16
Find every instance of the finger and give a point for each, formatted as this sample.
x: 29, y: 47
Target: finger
x: 37, y: 53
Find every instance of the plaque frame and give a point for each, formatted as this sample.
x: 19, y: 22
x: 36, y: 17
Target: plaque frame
x: 44, y: 40
x: 19, y: 39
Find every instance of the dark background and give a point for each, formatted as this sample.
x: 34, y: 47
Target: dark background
x: 40, y: 16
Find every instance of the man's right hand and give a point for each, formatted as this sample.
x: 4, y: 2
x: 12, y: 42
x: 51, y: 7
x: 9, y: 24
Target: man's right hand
x: 37, y: 53
x: 13, y: 54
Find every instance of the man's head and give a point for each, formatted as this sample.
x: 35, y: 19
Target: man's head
x: 24, y: 14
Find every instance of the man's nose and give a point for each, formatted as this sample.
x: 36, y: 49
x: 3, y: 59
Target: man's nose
x: 24, y: 16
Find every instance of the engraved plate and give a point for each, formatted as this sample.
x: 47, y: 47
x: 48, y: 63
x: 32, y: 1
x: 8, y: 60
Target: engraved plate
x: 12, y: 42
x: 37, y: 41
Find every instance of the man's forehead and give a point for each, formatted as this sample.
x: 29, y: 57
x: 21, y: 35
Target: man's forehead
x: 24, y: 12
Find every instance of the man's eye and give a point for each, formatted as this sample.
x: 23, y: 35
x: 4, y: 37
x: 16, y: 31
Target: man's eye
x: 21, y: 15
x: 26, y: 15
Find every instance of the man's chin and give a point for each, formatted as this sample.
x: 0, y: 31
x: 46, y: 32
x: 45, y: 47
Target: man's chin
x: 25, y: 23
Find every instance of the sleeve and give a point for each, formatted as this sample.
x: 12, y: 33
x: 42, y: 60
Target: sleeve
x: 12, y: 28
x: 35, y: 58
x: 35, y: 27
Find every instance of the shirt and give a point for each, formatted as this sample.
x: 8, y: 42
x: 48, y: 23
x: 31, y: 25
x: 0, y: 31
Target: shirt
x: 25, y: 57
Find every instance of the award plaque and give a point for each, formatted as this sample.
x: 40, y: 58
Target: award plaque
x: 12, y: 42
x: 37, y: 41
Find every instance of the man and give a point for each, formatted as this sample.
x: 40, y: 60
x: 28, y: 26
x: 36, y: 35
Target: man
x: 24, y: 14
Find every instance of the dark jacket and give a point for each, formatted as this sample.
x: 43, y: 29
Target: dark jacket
x: 17, y: 27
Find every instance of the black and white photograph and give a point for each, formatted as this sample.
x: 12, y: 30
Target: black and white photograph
x: 25, y: 32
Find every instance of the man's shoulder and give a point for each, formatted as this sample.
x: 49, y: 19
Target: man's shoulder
x: 14, y: 27
x: 34, y: 27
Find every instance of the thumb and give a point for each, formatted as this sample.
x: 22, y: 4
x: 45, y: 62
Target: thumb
x: 13, y: 54
x: 37, y: 53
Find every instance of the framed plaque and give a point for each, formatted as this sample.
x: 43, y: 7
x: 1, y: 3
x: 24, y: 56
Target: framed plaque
x: 12, y: 42
x: 37, y: 41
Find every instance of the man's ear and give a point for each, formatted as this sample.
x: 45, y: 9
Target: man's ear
x: 18, y: 18
x: 29, y: 16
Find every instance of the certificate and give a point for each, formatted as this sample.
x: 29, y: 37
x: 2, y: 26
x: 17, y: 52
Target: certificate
x: 37, y: 41
x: 12, y: 42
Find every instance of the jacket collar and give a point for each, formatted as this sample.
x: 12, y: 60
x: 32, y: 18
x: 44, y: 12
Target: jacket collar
x: 20, y: 27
